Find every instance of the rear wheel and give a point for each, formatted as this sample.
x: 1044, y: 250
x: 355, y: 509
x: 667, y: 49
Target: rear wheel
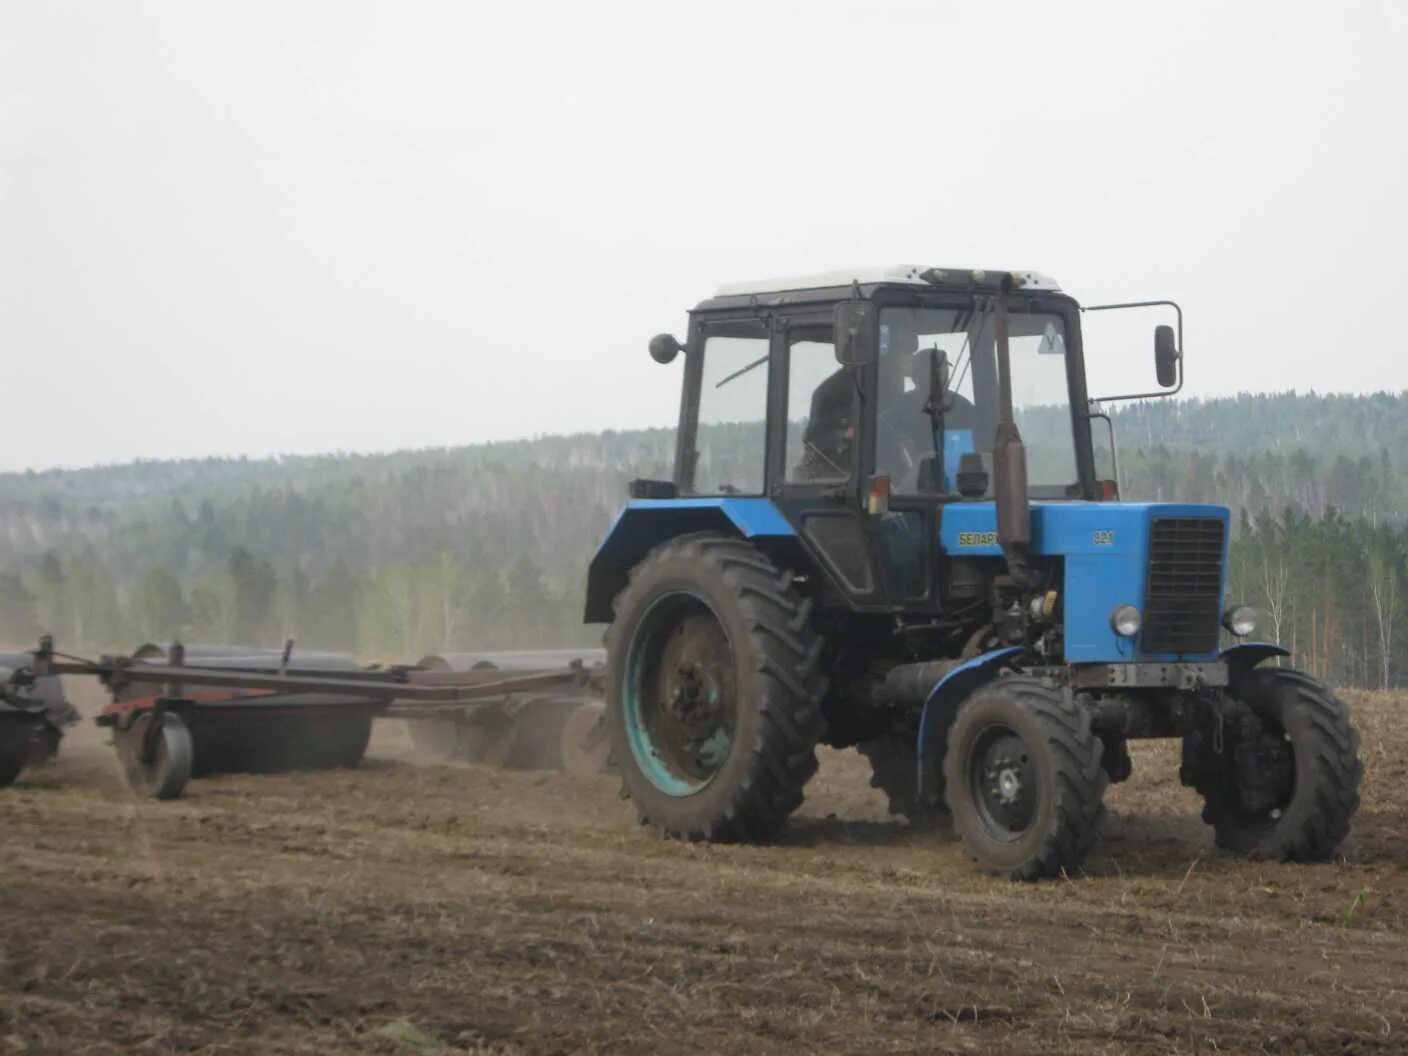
x: 714, y: 690
x: 1023, y: 779
x: 1286, y: 785
x: 894, y: 770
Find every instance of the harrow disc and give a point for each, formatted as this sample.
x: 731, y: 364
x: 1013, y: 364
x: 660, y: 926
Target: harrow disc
x: 585, y: 746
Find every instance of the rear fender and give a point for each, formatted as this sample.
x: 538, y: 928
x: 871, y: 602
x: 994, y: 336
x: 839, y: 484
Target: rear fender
x: 644, y: 524
x: 941, y: 707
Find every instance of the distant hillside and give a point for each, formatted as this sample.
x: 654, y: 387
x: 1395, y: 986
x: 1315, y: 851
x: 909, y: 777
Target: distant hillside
x: 357, y: 550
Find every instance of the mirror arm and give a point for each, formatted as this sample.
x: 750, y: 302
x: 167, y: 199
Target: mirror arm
x: 1145, y: 304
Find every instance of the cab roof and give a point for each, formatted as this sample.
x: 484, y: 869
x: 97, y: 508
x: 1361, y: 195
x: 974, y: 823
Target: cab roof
x: 901, y: 274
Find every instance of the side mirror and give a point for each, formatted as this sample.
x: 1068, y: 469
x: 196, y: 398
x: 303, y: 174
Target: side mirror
x: 1166, y: 356
x: 855, y: 333
x: 664, y: 348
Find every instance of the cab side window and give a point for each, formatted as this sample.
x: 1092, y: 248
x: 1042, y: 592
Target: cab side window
x: 730, y: 442
x: 821, y: 410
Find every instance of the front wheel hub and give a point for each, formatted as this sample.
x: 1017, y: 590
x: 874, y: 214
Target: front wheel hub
x: 1004, y: 782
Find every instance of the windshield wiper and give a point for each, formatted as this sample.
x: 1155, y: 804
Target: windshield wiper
x: 965, y: 351
x: 740, y: 372
x: 822, y: 454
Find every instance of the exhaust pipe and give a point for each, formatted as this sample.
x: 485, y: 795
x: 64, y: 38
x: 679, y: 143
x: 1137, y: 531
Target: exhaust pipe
x: 1009, y: 458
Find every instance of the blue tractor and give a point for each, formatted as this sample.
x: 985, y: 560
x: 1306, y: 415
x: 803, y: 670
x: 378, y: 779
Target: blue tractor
x: 858, y: 548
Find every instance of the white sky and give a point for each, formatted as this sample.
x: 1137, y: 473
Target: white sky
x: 283, y: 226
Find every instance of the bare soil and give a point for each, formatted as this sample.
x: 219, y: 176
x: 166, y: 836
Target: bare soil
x: 404, y: 909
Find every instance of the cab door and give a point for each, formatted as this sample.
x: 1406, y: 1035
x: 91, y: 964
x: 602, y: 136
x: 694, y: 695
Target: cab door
x: 815, y: 441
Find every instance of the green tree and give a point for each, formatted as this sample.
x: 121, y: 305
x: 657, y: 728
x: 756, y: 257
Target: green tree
x: 94, y: 615
x: 530, y: 614
x: 49, y: 589
x: 253, y: 584
x: 332, y: 609
x: 158, y: 606
x: 19, y: 620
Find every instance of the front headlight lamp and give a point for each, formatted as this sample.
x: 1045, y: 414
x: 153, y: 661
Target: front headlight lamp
x: 1126, y: 621
x: 1240, y: 620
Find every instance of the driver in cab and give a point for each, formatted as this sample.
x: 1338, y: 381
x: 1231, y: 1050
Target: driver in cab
x: 905, y: 437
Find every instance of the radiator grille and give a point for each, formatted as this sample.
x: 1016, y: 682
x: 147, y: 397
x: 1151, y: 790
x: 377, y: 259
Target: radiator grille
x: 1183, y: 596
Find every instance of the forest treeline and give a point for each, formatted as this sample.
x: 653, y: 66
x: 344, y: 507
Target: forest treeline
x: 485, y: 546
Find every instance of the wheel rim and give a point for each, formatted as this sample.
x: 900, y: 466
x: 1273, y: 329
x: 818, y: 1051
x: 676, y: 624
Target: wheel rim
x: 1264, y: 769
x: 1003, y: 782
x: 680, y: 694
x: 141, y: 773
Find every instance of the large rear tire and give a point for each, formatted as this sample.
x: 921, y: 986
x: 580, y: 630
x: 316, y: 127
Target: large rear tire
x: 1023, y: 778
x: 894, y: 770
x: 1289, y: 792
x: 714, y: 690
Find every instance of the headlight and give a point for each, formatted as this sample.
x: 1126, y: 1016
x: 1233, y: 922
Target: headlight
x: 1240, y: 620
x: 1126, y: 621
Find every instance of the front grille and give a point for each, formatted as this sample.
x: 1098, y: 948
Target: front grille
x: 1183, y: 595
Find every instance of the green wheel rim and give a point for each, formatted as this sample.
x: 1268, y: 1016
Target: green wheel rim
x: 679, y: 694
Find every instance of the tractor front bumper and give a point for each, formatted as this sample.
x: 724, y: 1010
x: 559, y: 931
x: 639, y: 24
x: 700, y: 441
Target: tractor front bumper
x: 1182, y: 675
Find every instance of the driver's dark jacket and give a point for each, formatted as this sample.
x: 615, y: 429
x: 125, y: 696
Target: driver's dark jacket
x: 831, y: 426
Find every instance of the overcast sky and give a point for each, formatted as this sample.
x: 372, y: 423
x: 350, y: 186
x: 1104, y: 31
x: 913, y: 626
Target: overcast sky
x: 264, y: 227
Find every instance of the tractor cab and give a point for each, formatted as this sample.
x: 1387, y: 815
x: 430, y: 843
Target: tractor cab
x: 864, y: 403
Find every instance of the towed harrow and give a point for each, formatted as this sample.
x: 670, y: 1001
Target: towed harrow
x: 182, y: 712
x: 33, y: 715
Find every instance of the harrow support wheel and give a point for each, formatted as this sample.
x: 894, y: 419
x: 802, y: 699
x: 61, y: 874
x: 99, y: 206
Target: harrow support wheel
x: 1023, y: 778
x: 157, y: 762
x: 714, y: 690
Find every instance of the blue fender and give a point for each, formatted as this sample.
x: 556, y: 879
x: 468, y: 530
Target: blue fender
x: 645, y: 523
x: 1247, y: 655
x: 941, y: 706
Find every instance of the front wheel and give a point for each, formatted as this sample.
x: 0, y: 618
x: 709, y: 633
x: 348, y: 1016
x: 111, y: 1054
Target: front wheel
x: 1023, y: 779
x: 1286, y: 784
x: 714, y: 690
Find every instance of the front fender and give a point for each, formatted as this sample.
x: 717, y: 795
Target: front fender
x: 942, y: 705
x: 1242, y: 658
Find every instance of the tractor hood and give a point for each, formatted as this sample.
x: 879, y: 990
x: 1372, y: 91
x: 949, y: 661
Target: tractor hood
x: 1167, y: 559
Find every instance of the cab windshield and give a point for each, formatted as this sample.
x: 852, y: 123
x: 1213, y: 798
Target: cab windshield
x: 920, y: 449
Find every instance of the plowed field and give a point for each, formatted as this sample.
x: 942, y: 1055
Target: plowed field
x: 406, y: 909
